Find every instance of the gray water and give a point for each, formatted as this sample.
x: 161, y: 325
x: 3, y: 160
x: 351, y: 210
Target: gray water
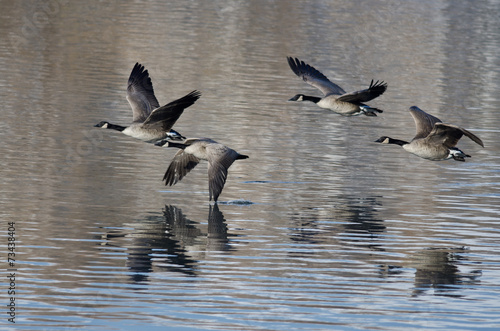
x: 320, y: 229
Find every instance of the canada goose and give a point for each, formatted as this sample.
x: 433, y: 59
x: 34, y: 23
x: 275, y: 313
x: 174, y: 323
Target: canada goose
x: 192, y: 150
x: 336, y: 99
x: 150, y: 121
x: 434, y: 140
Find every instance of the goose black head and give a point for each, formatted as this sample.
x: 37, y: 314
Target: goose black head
x: 102, y: 124
x: 298, y: 97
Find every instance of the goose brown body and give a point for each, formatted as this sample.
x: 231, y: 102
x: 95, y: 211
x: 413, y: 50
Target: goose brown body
x: 150, y: 122
x: 433, y: 140
x: 192, y: 150
x: 335, y: 98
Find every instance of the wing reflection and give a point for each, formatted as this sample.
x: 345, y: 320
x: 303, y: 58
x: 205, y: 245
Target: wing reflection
x: 217, y: 230
x: 167, y: 243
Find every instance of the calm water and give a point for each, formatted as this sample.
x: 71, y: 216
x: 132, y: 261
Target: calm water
x: 320, y: 229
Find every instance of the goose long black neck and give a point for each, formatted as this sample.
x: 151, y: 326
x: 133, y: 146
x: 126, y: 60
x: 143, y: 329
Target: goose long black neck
x: 310, y: 98
x: 116, y: 127
x: 396, y: 141
x: 178, y: 145
x: 389, y: 140
x: 107, y: 125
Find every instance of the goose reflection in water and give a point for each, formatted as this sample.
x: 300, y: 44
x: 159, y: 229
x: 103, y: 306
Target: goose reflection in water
x: 436, y: 269
x: 164, y: 243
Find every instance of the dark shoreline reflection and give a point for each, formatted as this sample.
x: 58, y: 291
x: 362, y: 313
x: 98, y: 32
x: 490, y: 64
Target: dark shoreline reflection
x: 361, y: 226
x: 352, y: 220
x: 163, y: 242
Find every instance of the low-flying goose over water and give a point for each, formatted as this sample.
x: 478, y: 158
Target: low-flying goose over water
x: 150, y: 122
x: 192, y: 150
x: 434, y: 140
x: 335, y: 98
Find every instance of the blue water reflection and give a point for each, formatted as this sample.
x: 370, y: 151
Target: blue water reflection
x: 321, y: 229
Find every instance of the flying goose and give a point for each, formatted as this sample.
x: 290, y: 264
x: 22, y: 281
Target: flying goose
x: 434, y: 140
x: 192, y: 150
x: 336, y: 99
x: 150, y: 122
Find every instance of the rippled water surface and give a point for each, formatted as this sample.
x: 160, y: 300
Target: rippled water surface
x: 320, y: 229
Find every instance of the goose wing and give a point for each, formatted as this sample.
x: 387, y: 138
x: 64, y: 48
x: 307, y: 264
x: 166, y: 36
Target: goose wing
x: 164, y: 118
x: 181, y: 165
x: 219, y: 159
x: 374, y: 90
x: 313, y: 77
x: 449, y: 135
x: 140, y: 94
x: 424, y: 122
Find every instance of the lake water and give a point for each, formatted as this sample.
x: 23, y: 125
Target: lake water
x: 320, y: 229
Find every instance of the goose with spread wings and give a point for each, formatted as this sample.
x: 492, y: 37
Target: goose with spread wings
x: 150, y: 122
x: 192, y: 150
x: 434, y: 140
x: 335, y: 98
